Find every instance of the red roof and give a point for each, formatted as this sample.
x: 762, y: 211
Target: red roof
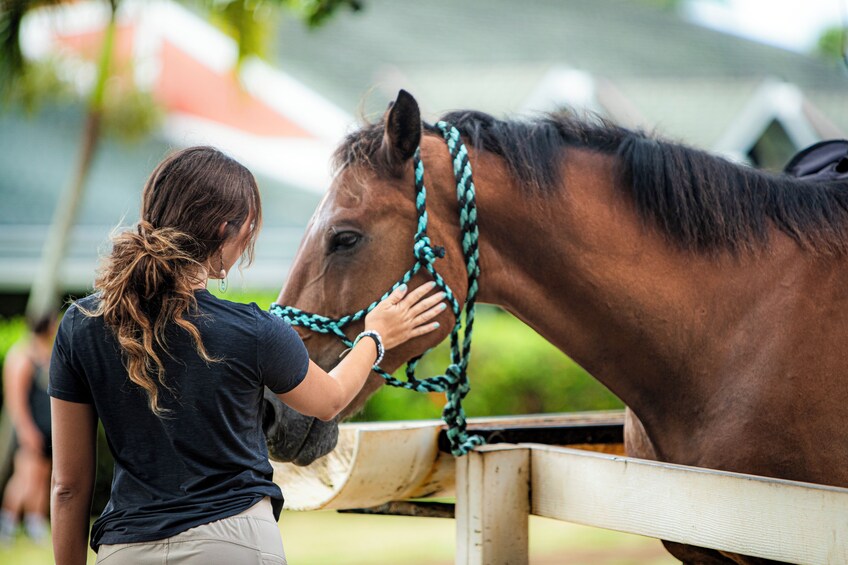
x: 187, y: 86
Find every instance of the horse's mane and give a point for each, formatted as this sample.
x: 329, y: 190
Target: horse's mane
x: 702, y: 202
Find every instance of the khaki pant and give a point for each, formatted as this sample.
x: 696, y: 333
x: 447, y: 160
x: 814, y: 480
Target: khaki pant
x: 250, y: 538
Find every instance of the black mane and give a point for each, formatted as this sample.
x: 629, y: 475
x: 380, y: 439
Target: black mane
x: 702, y: 202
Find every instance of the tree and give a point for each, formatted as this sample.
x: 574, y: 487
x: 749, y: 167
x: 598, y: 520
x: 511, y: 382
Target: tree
x: 831, y: 44
x: 244, y: 19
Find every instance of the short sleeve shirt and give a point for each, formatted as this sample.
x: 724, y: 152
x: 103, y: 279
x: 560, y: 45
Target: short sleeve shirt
x: 205, y: 458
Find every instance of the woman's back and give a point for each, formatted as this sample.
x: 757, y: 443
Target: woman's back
x: 205, y: 457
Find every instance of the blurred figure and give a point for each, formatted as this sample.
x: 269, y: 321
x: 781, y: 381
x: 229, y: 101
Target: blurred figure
x: 25, y: 378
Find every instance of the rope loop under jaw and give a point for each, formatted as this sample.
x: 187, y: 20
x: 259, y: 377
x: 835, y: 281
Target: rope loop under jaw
x: 454, y: 382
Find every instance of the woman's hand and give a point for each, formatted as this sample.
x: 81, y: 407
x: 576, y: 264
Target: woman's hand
x: 401, y: 316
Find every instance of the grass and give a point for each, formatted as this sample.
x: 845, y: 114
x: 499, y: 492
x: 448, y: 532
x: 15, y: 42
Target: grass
x: 360, y: 540
x: 319, y: 538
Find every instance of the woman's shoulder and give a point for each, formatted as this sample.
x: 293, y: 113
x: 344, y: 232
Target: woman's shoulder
x: 206, y: 299
x: 259, y: 319
x: 86, y: 304
x: 82, y: 318
x: 243, y: 314
x: 80, y: 309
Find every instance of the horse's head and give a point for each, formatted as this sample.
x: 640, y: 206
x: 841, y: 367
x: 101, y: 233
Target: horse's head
x: 359, y: 243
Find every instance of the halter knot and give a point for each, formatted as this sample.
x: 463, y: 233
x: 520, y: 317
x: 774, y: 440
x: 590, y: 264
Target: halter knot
x: 454, y: 372
x: 459, y: 380
x: 424, y: 250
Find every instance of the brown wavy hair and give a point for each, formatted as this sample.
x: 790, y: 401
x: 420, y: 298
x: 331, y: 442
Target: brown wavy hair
x: 145, y: 285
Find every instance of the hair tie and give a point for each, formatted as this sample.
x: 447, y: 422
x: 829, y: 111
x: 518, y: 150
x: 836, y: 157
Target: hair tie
x: 146, y: 229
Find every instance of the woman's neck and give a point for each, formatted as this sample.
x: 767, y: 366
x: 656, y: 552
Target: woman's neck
x: 200, y: 279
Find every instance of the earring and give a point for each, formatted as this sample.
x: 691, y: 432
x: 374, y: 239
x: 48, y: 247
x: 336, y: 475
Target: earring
x: 222, y: 278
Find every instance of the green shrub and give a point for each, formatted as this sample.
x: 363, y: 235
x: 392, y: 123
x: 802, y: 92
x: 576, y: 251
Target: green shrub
x: 263, y: 298
x: 11, y: 330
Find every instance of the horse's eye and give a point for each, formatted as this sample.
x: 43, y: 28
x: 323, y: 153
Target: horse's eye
x: 344, y: 241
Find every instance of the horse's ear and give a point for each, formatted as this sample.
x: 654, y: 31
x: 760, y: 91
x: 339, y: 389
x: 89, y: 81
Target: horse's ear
x: 402, y: 132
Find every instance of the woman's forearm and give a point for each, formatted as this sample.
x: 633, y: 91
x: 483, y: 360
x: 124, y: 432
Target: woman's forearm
x: 74, y: 461
x: 353, y: 370
x: 70, y: 507
x: 323, y: 395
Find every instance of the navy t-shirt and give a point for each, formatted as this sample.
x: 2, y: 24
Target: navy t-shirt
x: 206, y: 458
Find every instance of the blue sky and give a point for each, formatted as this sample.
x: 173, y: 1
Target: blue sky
x: 792, y: 24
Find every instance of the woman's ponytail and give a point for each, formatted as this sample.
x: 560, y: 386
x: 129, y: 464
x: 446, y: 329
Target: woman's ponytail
x: 146, y: 284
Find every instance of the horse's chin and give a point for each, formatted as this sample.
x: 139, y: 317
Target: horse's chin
x: 293, y: 437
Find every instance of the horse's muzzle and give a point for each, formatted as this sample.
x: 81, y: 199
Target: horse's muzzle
x: 293, y: 437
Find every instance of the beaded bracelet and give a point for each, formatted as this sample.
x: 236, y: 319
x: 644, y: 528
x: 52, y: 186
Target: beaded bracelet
x: 378, y: 340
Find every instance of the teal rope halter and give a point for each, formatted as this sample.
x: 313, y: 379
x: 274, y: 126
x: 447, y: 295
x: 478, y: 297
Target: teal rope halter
x: 454, y: 382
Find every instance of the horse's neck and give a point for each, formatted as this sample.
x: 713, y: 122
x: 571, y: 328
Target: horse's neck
x: 603, y: 285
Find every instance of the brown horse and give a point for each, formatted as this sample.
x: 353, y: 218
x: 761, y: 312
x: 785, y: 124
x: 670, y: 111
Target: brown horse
x: 710, y: 297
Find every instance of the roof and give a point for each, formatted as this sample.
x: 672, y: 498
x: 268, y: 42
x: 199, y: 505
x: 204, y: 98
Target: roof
x: 684, y: 80
x: 188, y: 66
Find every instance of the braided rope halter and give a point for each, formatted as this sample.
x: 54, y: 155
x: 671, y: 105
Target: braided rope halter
x: 454, y: 381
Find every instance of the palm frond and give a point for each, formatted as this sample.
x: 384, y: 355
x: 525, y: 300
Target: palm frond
x: 250, y: 22
x: 317, y: 12
x: 12, y: 62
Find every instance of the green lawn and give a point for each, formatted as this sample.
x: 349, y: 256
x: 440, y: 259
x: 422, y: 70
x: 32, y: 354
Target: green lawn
x: 318, y: 538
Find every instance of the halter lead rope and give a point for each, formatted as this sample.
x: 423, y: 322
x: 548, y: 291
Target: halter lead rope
x: 454, y: 382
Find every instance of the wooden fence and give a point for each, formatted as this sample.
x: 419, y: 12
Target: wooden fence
x: 498, y: 486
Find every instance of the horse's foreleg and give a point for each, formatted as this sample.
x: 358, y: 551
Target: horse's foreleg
x: 636, y: 440
x: 638, y: 444
x: 691, y: 555
x: 696, y: 555
x: 746, y: 560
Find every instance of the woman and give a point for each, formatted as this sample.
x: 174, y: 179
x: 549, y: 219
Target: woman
x: 176, y: 376
x: 25, y: 393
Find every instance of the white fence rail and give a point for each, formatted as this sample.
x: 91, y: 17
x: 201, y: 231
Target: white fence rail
x: 498, y: 486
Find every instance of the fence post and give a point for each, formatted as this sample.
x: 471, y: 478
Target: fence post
x: 492, y: 506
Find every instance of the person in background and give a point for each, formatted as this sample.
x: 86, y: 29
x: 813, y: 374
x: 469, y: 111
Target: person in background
x: 25, y: 380
x: 177, y: 376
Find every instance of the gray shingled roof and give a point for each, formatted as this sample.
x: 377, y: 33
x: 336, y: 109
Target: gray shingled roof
x: 697, y: 110
x: 486, y: 53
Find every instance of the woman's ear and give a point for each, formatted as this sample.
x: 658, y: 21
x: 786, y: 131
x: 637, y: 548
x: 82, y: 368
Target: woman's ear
x: 222, y: 230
